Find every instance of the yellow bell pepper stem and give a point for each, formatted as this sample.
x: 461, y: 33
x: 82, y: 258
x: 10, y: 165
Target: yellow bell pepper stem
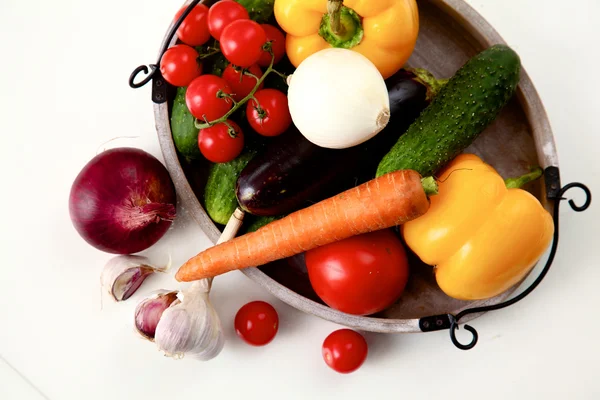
x: 334, y: 9
x: 481, y: 236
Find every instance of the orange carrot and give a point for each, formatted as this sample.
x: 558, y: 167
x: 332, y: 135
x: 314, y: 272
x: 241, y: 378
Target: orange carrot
x: 387, y: 201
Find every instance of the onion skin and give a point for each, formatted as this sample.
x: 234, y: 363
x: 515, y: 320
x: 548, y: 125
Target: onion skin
x: 123, y: 201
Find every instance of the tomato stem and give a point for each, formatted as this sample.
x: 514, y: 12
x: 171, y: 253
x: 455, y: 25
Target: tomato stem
x: 237, y: 105
x: 230, y: 130
x: 211, y: 52
x: 281, y: 74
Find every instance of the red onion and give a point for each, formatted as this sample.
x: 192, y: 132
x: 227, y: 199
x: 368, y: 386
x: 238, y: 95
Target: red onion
x: 123, y: 201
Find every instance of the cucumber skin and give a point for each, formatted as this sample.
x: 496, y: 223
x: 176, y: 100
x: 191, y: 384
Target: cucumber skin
x: 220, y: 200
x: 464, y: 107
x: 258, y: 222
x: 260, y: 10
x: 185, y: 133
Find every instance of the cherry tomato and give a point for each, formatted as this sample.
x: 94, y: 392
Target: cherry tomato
x: 240, y: 83
x: 271, y: 116
x: 345, y: 350
x: 242, y: 42
x: 222, y: 14
x: 277, y: 45
x: 219, y: 144
x: 360, y: 275
x: 179, y: 65
x: 193, y: 30
x: 202, y: 97
x: 257, y: 323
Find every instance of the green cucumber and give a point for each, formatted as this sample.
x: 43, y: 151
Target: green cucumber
x: 220, y: 200
x: 464, y: 107
x: 185, y: 133
x: 260, y: 10
x: 253, y: 223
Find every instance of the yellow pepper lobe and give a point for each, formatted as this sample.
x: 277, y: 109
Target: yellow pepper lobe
x: 482, y: 237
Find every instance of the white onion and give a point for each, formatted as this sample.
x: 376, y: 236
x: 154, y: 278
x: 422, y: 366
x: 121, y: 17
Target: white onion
x: 338, y: 99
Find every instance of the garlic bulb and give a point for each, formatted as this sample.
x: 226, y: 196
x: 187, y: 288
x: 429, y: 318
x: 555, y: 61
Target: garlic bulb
x: 191, y: 327
x: 338, y: 99
x: 123, y: 275
x: 149, y: 311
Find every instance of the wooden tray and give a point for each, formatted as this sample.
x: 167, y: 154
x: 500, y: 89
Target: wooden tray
x: 450, y: 33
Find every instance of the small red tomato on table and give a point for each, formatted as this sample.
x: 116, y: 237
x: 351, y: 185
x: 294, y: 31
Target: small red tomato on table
x: 344, y: 350
x: 268, y: 113
x: 360, y: 275
x: 257, y: 323
x: 221, y: 142
x: 179, y: 65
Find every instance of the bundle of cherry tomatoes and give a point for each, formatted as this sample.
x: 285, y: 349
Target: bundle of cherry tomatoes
x: 211, y: 99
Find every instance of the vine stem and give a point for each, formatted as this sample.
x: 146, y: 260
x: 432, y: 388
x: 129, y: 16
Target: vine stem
x: 224, y: 118
x: 211, y: 52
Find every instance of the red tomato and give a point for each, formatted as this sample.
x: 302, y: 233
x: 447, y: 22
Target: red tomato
x: 360, y: 275
x: 218, y: 144
x: 179, y: 65
x: 240, y: 83
x: 222, y: 14
x: 202, y: 98
x: 271, y: 116
x: 242, y: 42
x: 277, y: 45
x: 345, y: 350
x: 193, y: 30
x: 257, y: 323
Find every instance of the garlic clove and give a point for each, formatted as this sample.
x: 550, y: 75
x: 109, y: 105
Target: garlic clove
x: 192, y: 327
x: 123, y: 275
x: 149, y: 311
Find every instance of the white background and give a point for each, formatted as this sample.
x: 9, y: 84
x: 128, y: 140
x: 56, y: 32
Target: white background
x: 63, y: 92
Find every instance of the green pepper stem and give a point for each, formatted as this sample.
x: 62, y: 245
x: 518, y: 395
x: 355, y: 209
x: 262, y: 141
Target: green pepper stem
x: 430, y: 186
x: 515, y: 183
x: 334, y: 9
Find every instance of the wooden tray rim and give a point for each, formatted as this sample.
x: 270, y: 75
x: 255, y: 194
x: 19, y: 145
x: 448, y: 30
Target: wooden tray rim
x: 545, y: 146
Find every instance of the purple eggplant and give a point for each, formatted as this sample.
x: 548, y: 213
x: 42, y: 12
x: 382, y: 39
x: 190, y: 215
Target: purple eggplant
x: 293, y: 172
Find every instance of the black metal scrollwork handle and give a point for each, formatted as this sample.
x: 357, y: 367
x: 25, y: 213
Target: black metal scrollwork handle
x: 449, y: 321
x: 454, y: 327
x: 586, y: 190
x: 152, y: 71
x: 136, y: 72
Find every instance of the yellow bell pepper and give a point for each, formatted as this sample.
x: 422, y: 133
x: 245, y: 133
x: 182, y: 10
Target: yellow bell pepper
x: 385, y: 31
x: 481, y: 237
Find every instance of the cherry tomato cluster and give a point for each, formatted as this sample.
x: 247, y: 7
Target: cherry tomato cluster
x: 247, y: 46
x: 257, y: 323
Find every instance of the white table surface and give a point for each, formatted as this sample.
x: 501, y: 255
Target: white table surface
x: 63, y: 92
